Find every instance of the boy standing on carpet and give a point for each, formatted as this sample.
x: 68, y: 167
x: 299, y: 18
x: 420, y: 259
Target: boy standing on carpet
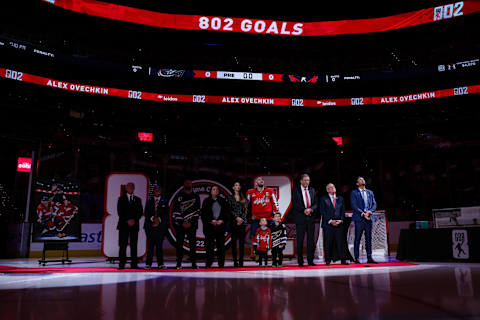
x: 263, y: 242
x: 279, y: 239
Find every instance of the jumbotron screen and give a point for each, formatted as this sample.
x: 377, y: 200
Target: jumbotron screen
x: 265, y: 26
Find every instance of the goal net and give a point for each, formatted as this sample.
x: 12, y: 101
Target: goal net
x: 379, y: 238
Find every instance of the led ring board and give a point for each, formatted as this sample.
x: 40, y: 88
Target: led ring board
x: 265, y: 26
x: 199, y: 98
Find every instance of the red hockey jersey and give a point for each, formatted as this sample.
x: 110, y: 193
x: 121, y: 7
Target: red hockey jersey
x: 263, y: 239
x: 263, y: 203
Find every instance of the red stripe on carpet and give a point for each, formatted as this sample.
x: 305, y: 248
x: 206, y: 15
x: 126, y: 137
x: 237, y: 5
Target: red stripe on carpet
x: 9, y: 269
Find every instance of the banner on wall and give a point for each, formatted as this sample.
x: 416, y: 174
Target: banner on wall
x: 56, y: 207
x: 114, y: 188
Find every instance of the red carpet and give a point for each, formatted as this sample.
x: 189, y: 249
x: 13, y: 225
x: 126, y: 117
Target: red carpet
x: 8, y: 269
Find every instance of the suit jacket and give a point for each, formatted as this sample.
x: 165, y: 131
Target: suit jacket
x: 162, y: 213
x: 298, y: 206
x: 207, y: 213
x: 127, y: 211
x: 328, y: 212
x: 358, y: 205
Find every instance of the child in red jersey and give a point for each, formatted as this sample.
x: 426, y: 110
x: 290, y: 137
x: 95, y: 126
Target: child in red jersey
x: 263, y: 242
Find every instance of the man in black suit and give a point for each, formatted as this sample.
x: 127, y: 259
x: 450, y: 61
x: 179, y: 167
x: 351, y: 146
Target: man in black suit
x: 332, y: 209
x: 215, y: 213
x: 130, y: 209
x: 304, y: 206
x: 156, y: 217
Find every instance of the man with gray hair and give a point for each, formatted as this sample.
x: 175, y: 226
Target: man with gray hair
x: 304, y: 206
x: 332, y: 209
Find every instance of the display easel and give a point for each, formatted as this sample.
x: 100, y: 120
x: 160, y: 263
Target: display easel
x: 55, y: 245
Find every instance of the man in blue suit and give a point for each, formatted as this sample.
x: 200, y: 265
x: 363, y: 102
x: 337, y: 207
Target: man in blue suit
x: 363, y: 206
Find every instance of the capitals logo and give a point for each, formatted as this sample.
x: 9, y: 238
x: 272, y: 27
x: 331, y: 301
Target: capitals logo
x: 307, y: 79
x: 261, y: 201
x: 202, y: 188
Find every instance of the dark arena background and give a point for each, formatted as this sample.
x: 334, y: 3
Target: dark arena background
x: 95, y: 95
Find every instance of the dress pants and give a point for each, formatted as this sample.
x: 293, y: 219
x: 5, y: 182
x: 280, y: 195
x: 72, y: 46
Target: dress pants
x: 238, y: 233
x: 191, y: 234
x: 125, y: 234
x: 333, y: 236
x: 215, y: 237
x: 155, y: 238
x: 361, y: 226
x: 309, y: 228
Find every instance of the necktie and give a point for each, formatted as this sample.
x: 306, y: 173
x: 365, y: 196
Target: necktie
x: 131, y: 199
x: 365, y: 198
x: 334, y: 203
x: 306, y: 198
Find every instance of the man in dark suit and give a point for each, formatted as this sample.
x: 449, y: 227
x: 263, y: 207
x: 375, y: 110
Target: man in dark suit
x: 129, y: 208
x: 363, y: 206
x: 332, y: 209
x: 156, y: 217
x: 215, y: 217
x: 304, y: 206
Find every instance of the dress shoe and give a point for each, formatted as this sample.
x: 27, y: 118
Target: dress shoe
x: 300, y: 263
x: 162, y: 266
x: 371, y: 261
x: 311, y: 264
x: 240, y: 264
x: 121, y: 267
x: 356, y: 261
x: 345, y: 263
x: 235, y: 264
x: 194, y: 266
x: 135, y: 267
x: 327, y: 263
x: 179, y: 266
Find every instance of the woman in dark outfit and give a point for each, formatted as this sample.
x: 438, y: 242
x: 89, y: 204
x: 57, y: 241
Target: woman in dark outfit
x: 238, y: 209
x: 215, y: 216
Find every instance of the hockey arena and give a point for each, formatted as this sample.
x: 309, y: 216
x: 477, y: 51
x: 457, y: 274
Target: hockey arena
x: 231, y: 162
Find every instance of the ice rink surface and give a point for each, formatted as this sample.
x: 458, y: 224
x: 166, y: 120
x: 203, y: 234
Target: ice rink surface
x: 421, y: 291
